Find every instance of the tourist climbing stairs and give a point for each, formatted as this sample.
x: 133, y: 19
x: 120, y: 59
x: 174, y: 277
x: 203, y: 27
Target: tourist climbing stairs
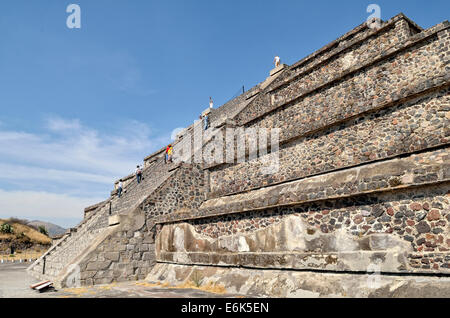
x: 77, y: 240
x: 134, y: 194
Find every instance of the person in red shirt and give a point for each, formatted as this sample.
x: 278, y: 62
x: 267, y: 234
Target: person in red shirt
x: 168, y: 156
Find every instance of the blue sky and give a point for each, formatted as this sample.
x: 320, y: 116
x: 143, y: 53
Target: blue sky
x: 81, y: 107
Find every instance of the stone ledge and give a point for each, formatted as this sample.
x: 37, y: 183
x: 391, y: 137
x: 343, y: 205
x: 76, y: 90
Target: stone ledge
x: 114, y: 219
x: 252, y: 94
x: 394, y: 49
x: 395, y: 174
x: 154, y: 154
x: 303, y: 284
x: 358, y: 261
x: 278, y: 69
x: 95, y: 206
x: 175, y: 167
x: 71, y: 230
x: 406, y: 95
x: 337, y: 43
x: 400, y: 101
x: 427, y: 86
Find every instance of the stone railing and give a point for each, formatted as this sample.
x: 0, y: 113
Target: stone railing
x: 74, y: 242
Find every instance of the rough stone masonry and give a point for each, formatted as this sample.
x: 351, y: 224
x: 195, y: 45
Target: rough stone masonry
x: 358, y: 207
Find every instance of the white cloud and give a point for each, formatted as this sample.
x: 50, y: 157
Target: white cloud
x: 27, y: 173
x: 61, y: 168
x: 74, y: 147
x: 42, y: 205
x: 59, y: 124
x: 175, y: 132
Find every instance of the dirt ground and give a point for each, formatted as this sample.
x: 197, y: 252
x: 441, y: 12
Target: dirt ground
x: 15, y: 283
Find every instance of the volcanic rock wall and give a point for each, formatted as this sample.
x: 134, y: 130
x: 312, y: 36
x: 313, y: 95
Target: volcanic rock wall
x: 362, y: 182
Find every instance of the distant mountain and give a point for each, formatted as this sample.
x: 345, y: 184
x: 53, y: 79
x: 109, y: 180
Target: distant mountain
x: 53, y: 229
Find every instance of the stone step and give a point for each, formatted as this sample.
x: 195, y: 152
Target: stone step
x: 68, y: 248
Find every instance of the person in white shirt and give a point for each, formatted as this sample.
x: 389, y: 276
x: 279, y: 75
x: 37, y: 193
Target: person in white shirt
x: 138, y: 173
x: 120, y: 188
x: 211, y: 104
x: 276, y: 60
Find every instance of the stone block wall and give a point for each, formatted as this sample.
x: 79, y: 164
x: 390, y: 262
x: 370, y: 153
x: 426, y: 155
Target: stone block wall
x: 403, y: 231
x: 302, y: 284
x: 415, y: 125
x: 392, y: 214
x: 302, y: 80
x: 413, y: 171
x: 180, y: 194
x: 363, y: 177
x: 411, y: 75
x: 126, y: 251
x: 363, y: 180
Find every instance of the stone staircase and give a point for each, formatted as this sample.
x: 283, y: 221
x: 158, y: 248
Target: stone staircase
x: 134, y: 194
x: 49, y: 265
x: 54, y: 262
x: 75, y: 243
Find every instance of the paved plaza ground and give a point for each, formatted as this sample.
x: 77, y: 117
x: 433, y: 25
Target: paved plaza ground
x: 15, y: 283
